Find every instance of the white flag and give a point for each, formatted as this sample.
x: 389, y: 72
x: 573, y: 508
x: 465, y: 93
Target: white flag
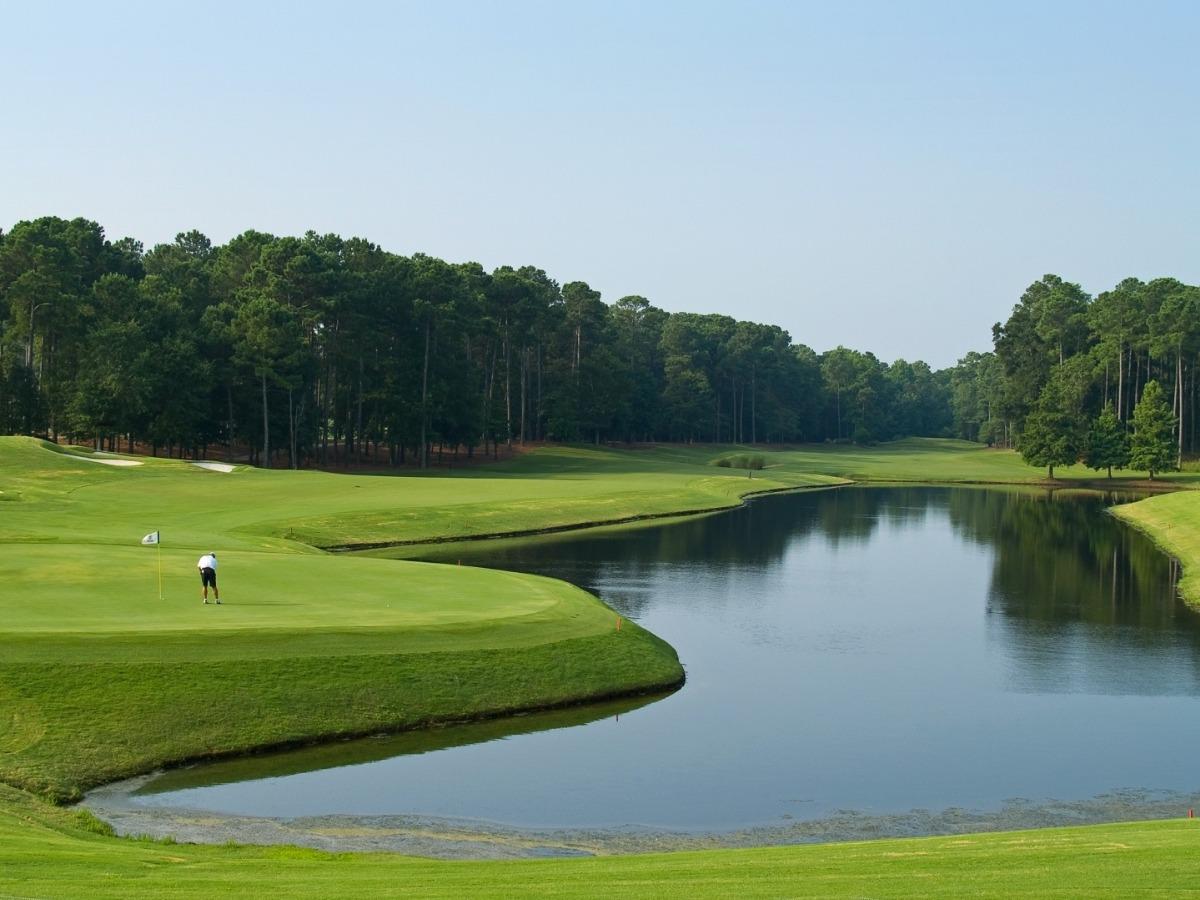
x: 151, y: 538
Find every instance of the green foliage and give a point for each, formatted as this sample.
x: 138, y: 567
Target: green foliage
x: 1113, y: 345
x: 742, y: 461
x: 324, y: 346
x: 1053, y: 434
x: 1151, y: 447
x: 976, y: 398
x: 991, y: 432
x: 1108, y: 443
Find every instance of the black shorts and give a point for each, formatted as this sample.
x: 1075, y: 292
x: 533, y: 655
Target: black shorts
x: 208, y: 578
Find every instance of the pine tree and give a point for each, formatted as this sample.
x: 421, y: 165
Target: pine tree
x: 1152, y: 447
x: 1053, y: 434
x: 1108, y: 444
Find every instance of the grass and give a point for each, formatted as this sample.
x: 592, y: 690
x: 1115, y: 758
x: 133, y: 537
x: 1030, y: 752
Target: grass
x: 100, y: 679
x: 47, y: 852
x: 1173, y: 522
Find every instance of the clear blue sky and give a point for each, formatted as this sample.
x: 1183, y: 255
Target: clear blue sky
x: 885, y: 175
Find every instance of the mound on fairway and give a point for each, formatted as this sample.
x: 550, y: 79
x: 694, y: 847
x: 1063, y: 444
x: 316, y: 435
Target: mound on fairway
x: 100, y: 678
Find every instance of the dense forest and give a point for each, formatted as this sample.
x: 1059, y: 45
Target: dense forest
x: 1109, y: 380
x: 320, y: 350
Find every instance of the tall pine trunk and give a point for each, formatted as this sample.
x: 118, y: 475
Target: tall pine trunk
x: 507, y: 390
x: 425, y: 400
x: 1179, y: 405
x: 524, y: 381
x: 266, y: 424
x: 358, y: 426
x: 1120, y: 380
x: 229, y: 423
x: 754, y: 406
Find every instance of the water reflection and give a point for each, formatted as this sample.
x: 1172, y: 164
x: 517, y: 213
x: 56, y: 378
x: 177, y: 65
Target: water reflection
x: 373, y: 749
x: 878, y: 650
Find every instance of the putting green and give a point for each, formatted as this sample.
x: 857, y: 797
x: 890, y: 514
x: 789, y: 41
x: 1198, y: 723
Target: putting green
x: 80, y: 589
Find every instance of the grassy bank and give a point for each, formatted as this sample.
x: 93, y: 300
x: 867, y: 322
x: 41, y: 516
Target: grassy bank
x: 1173, y: 522
x: 47, y: 852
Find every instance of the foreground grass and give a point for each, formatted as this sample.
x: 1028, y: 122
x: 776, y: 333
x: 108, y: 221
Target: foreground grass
x: 47, y: 852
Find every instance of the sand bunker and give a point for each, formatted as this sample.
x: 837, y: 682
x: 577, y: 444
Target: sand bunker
x: 107, y: 462
x: 215, y: 466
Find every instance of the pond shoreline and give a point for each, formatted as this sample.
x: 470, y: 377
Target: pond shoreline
x: 1090, y: 484
x: 1147, y: 521
x: 580, y: 526
x: 467, y: 839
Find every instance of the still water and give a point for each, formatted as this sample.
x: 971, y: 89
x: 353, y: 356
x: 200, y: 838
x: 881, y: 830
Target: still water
x: 875, y: 650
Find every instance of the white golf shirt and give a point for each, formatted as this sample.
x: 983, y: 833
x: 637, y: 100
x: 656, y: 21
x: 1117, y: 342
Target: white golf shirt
x: 207, y: 561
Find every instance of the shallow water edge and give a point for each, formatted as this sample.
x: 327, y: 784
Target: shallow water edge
x: 443, y: 838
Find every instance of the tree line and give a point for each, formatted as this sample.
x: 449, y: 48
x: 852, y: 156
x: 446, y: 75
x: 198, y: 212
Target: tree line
x: 1109, y: 380
x: 322, y: 349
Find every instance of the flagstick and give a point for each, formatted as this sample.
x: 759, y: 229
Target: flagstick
x: 158, y: 548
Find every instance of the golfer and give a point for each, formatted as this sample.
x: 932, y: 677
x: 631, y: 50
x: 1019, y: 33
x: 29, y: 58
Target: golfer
x: 208, y: 575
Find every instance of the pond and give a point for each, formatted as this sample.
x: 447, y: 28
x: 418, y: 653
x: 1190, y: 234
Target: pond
x: 862, y: 652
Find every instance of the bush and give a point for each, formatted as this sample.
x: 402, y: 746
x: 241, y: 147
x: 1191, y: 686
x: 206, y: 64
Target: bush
x: 742, y: 461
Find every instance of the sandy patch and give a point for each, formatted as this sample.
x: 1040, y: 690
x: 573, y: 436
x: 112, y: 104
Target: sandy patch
x: 107, y: 462
x: 214, y: 466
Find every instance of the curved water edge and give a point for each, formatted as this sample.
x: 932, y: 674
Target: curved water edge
x: 1162, y: 531
x: 447, y: 838
x: 743, y: 500
x: 1079, y: 629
